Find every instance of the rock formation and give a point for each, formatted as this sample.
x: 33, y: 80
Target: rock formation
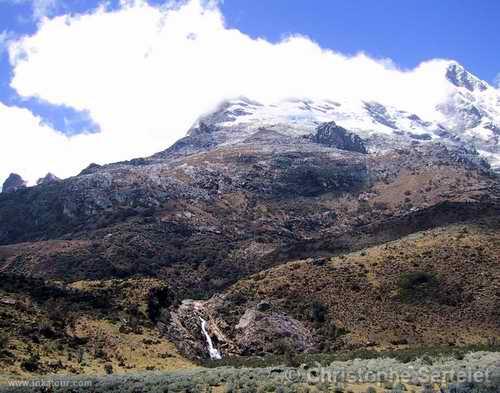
x: 48, y: 178
x: 13, y: 183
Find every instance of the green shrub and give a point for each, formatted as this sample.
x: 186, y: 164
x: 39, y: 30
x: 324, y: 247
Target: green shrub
x: 318, y: 312
x: 58, y: 313
x: 31, y: 364
x: 4, y: 341
x: 415, y: 287
x: 158, y: 299
x: 108, y: 368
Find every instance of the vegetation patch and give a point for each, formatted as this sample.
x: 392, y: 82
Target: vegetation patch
x: 415, y: 287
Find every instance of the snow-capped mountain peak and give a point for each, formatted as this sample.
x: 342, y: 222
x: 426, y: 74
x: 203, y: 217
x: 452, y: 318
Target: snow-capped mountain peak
x: 460, y: 77
x: 469, y: 116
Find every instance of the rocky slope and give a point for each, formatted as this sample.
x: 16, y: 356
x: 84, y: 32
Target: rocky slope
x: 236, y: 206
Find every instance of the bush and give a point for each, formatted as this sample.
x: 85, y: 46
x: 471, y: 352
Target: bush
x: 318, y: 312
x: 415, y: 287
x: 31, y: 364
x: 57, y: 312
x: 108, y: 368
x: 47, y: 330
x: 80, y: 355
x: 285, y: 348
x: 4, y: 341
x: 332, y: 332
x: 159, y: 298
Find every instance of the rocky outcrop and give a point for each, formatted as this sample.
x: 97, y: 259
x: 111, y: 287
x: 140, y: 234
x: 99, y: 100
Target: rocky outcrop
x: 13, y: 183
x: 48, y: 178
x: 331, y: 135
x: 259, y: 330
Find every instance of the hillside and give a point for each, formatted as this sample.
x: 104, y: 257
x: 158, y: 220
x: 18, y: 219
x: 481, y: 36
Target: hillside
x: 439, y: 287
x: 86, y: 327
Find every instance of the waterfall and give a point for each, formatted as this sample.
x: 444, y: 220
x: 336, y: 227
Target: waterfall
x: 212, y: 351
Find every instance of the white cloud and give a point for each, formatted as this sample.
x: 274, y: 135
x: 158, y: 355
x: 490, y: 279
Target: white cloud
x: 497, y: 81
x: 26, y: 144
x: 31, y: 148
x: 145, y: 73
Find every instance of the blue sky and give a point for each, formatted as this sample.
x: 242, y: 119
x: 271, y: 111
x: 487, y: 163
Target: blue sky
x: 408, y: 32
x: 129, y: 78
